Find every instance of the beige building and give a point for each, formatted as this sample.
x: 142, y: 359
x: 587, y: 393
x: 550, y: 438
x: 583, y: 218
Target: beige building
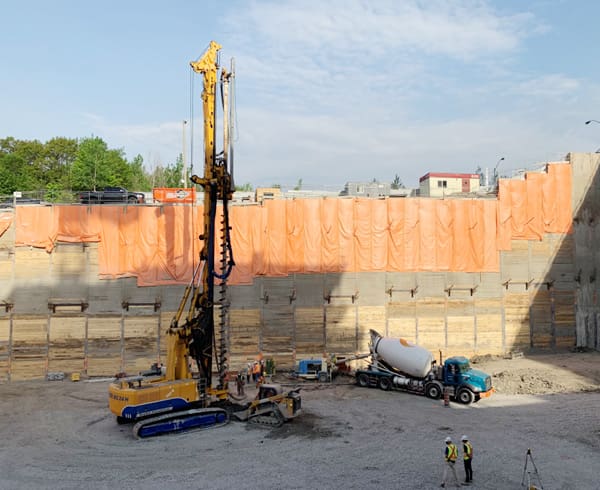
x: 439, y: 184
x: 263, y: 193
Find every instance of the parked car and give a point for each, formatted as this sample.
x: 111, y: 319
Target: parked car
x: 111, y: 195
x: 9, y: 203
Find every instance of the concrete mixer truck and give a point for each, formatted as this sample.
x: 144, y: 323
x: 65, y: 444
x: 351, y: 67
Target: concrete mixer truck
x: 400, y: 364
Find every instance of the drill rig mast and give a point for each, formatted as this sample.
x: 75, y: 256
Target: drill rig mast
x: 174, y: 398
x: 183, y: 399
x: 198, y: 330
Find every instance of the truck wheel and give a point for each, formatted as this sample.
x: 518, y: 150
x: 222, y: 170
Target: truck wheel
x: 363, y: 380
x: 433, y: 391
x: 385, y: 383
x: 465, y: 396
x: 322, y: 377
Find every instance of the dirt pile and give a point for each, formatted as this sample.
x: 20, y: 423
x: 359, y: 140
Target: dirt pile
x: 543, y: 373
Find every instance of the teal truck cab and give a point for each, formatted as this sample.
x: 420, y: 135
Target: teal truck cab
x: 464, y: 383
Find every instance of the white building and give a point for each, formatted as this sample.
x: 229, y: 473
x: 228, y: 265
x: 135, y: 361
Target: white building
x: 439, y: 184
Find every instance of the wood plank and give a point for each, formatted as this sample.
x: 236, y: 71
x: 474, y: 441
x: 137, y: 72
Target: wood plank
x: 65, y: 329
x: 27, y: 369
x: 432, y: 333
x: 489, y: 334
x: 461, y: 333
x: 30, y: 330
x: 340, y: 329
x: 104, y: 328
x: 71, y: 362
x: 405, y: 328
x: 310, y: 332
x: 103, y: 366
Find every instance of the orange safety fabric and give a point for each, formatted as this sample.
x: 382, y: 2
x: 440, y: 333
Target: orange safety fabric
x: 159, y: 244
x: 6, y: 219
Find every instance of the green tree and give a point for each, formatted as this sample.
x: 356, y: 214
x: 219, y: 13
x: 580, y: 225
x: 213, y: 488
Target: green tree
x: 57, y: 161
x: 32, y: 171
x: 298, y: 185
x: 64, y: 164
x: 10, y: 170
x: 169, y: 176
x: 479, y: 172
x: 139, y: 180
x: 24, y: 162
x: 397, y: 183
x: 96, y: 167
x: 247, y: 187
x: 174, y: 174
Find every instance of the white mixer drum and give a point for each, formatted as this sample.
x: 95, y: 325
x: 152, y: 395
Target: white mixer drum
x: 404, y: 356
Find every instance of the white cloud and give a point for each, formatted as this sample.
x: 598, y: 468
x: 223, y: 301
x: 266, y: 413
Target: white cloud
x: 551, y: 85
x: 330, y: 92
x: 164, y: 139
x: 462, y: 29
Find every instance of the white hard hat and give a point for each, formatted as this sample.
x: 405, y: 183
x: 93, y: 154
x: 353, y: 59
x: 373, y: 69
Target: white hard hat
x: 448, y: 439
x: 464, y: 438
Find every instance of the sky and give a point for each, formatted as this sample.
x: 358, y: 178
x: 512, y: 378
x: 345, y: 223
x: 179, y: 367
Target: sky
x: 327, y: 91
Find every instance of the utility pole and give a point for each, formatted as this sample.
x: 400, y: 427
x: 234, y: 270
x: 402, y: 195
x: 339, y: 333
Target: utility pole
x: 185, y: 178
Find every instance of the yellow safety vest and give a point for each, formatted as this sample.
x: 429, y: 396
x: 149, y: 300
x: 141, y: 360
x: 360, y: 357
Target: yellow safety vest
x: 467, y: 450
x: 451, y: 452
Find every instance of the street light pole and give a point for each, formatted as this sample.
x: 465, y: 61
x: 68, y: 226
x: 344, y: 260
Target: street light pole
x: 597, y: 122
x: 496, y: 171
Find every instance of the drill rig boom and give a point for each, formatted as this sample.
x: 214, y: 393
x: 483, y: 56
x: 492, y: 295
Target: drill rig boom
x: 175, y: 388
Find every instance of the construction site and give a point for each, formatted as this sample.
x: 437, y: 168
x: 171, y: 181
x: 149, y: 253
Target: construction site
x: 96, y: 332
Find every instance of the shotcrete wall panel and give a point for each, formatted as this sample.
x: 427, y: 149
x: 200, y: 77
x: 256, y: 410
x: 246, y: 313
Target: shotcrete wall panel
x: 586, y: 206
x: 309, y: 290
x: 431, y: 284
x: 371, y: 288
x: 170, y: 297
x: 31, y: 281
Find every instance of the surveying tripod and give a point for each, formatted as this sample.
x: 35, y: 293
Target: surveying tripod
x: 531, y: 474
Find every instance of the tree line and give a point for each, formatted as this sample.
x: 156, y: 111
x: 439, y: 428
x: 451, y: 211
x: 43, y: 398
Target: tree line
x: 61, y: 166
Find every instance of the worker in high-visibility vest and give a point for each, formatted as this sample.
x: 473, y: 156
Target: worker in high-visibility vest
x: 450, y: 457
x: 256, y: 371
x: 467, y: 458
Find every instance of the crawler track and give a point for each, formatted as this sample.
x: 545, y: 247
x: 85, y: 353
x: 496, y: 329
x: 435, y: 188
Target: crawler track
x: 187, y: 420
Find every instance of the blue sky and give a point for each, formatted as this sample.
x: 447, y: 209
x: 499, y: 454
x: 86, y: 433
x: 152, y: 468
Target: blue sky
x: 327, y: 91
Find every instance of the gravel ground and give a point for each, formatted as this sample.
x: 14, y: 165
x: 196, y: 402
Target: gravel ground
x: 61, y: 435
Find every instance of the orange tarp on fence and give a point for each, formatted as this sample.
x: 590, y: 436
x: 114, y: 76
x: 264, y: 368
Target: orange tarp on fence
x: 539, y: 204
x: 5, y: 221
x: 159, y: 244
